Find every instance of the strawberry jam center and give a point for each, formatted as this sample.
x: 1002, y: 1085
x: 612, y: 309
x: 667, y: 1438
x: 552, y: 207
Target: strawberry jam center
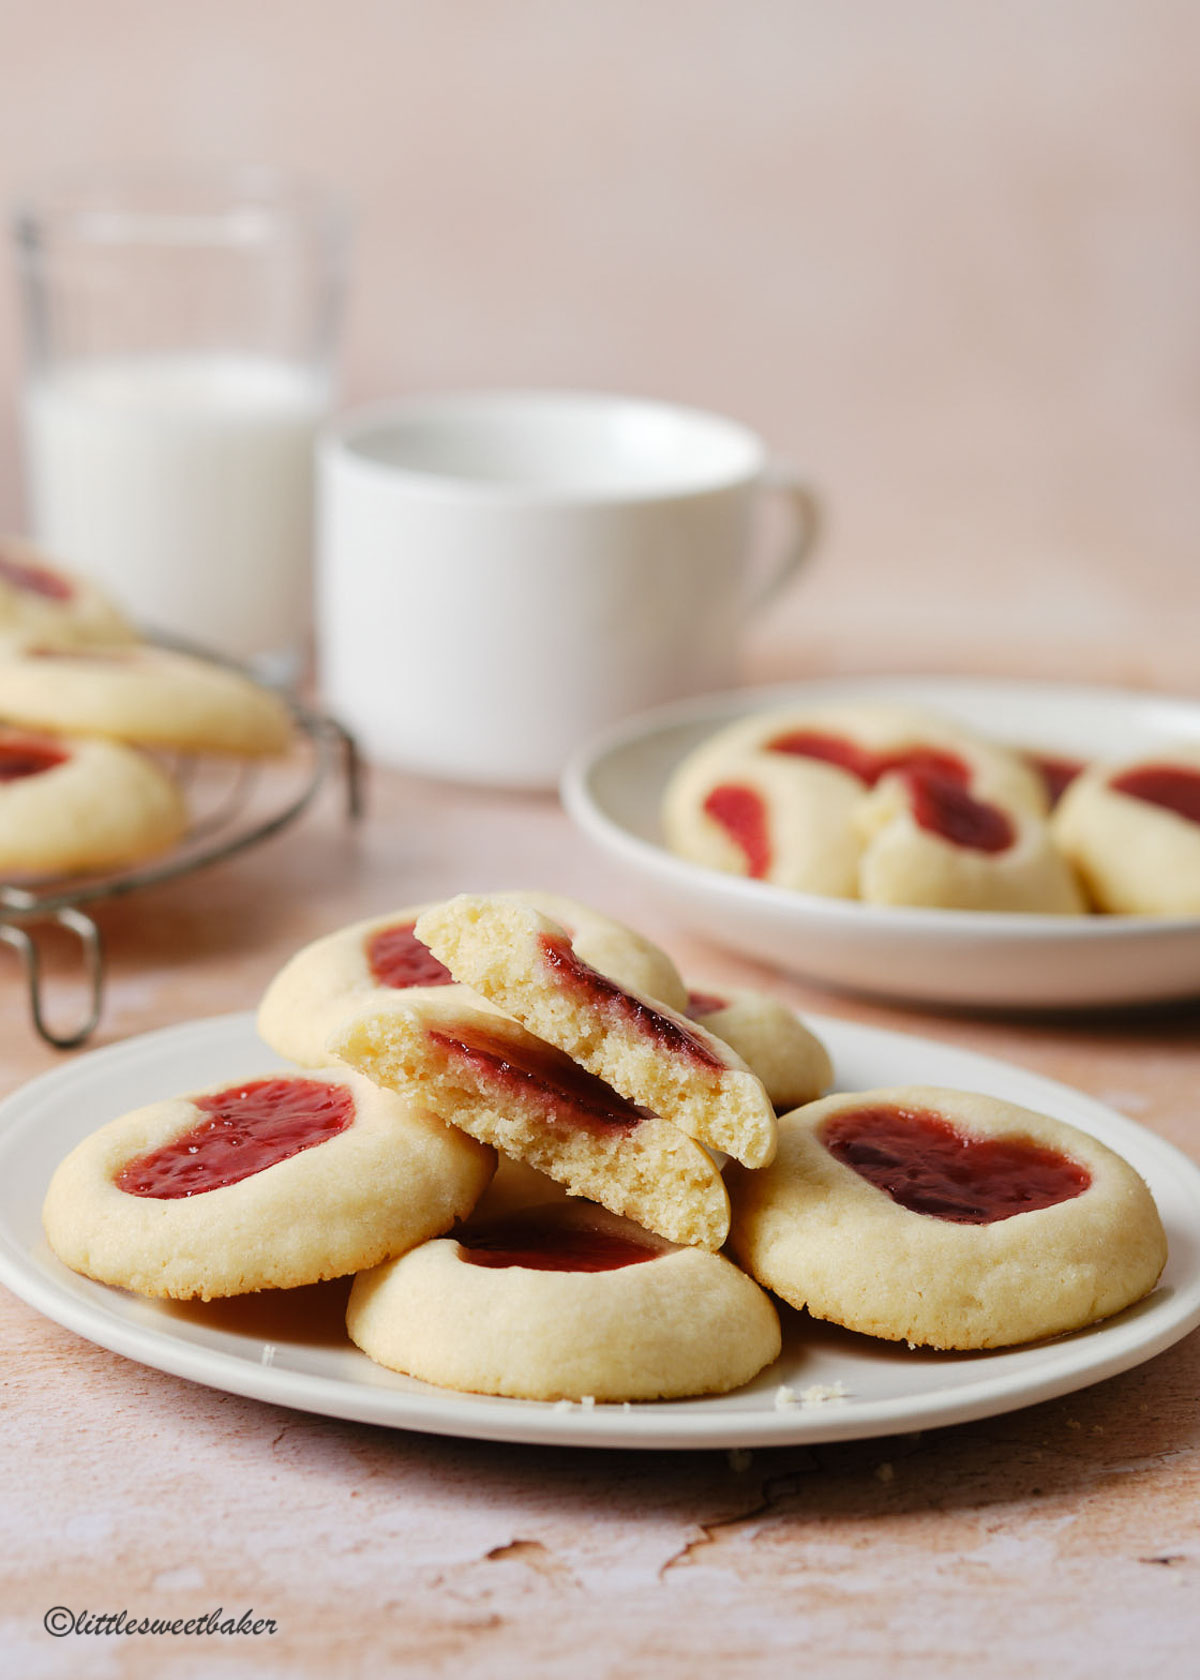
x: 923, y: 1162
x: 742, y: 813
x: 1173, y: 787
x: 866, y: 764
x: 552, y: 1240
x: 1057, y: 773
x: 666, y: 1033
x: 564, y: 1092
x: 397, y: 958
x: 949, y: 811
x: 34, y: 580
x: 28, y: 755
x: 246, y: 1129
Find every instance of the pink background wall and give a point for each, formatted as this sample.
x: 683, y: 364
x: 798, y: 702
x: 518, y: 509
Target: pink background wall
x: 946, y: 256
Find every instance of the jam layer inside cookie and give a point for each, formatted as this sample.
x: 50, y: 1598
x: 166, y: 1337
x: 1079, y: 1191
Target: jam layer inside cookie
x: 1174, y: 787
x: 553, y: 1240
x: 35, y: 580
x: 28, y: 755
x: 247, y: 1129
x: 930, y: 1167
x: 397, y: 958
x: 579, y: 977
x: 572, y: 1095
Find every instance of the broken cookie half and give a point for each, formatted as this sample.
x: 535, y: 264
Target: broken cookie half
x: 527, y: 965
x: 490, y: 1077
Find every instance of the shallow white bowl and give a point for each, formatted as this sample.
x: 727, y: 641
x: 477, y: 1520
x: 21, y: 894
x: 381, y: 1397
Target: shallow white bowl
x: 613, y: 790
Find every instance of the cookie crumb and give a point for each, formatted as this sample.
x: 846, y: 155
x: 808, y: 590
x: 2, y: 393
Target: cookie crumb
x: 784, y: 1397
x: 885, y: 1472
x: 739, y: 1459
x: 563, y: 1405
x: 819, y: 1394
x: 587, y: 1401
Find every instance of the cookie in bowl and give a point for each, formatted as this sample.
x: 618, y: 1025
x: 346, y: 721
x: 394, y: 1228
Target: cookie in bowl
x: 777, y: 796
x: 1133, y: 832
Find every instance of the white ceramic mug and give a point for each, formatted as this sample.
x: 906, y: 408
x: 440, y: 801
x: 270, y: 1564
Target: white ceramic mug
x: 502, y: 574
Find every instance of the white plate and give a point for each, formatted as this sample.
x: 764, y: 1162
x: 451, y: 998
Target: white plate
x: 613, y: 790
x: 889, y: 1388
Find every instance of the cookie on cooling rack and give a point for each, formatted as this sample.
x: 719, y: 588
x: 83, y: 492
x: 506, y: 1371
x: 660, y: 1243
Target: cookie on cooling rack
x: 1133, y: 832
x: 527, y: 965
x: 68, y: 805
x: 149, y: 696
x: 777, y: 796
x: 334, y: 976
x: 485, y: 1073
x: 265, y: 1184
x: 946, y: 1219
x: 39, y: 601
x: 770, y: 1038
x: 564, y: 1303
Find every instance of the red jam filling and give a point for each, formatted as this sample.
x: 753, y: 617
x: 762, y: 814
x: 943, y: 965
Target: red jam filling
x: 1171, y: 786
x: 27, y: 755
x: 568, y: 1093
x: 742, y: 813
x: 34, y: 580
x: 248, y: 1128
x: 926, y: 1165
x: 705, y: 1003
x: 551, y: 1240
x: 869, y: 766
x: 1057, y: 773
x: 668, y: 1034
x: 397, y: 958
x: 950, y: 812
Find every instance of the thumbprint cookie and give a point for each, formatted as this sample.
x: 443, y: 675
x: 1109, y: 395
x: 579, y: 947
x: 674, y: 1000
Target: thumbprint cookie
x: 267, y: 1184
x: 947, y: 1219
x: 145, y: 695
x: 68, y: 804
x: 777, y: 796
x: 774, y: 1043
x: 333, y: 977
x: 527, y: 965
x: 1133, y: 832
x: 41, y: 601
x: 564, y: 1303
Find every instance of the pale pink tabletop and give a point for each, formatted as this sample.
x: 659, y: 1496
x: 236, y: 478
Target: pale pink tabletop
x: 1071, y: 1527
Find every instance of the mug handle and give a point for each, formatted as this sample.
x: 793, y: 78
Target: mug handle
x: 803, y: 512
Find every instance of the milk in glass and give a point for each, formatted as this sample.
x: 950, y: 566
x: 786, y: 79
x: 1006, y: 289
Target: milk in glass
x: 184, y: 483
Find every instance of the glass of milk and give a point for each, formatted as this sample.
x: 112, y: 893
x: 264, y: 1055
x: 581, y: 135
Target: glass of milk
x: 180, y: 333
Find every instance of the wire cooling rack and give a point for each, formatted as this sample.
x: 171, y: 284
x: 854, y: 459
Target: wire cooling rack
x: 233, y: 805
